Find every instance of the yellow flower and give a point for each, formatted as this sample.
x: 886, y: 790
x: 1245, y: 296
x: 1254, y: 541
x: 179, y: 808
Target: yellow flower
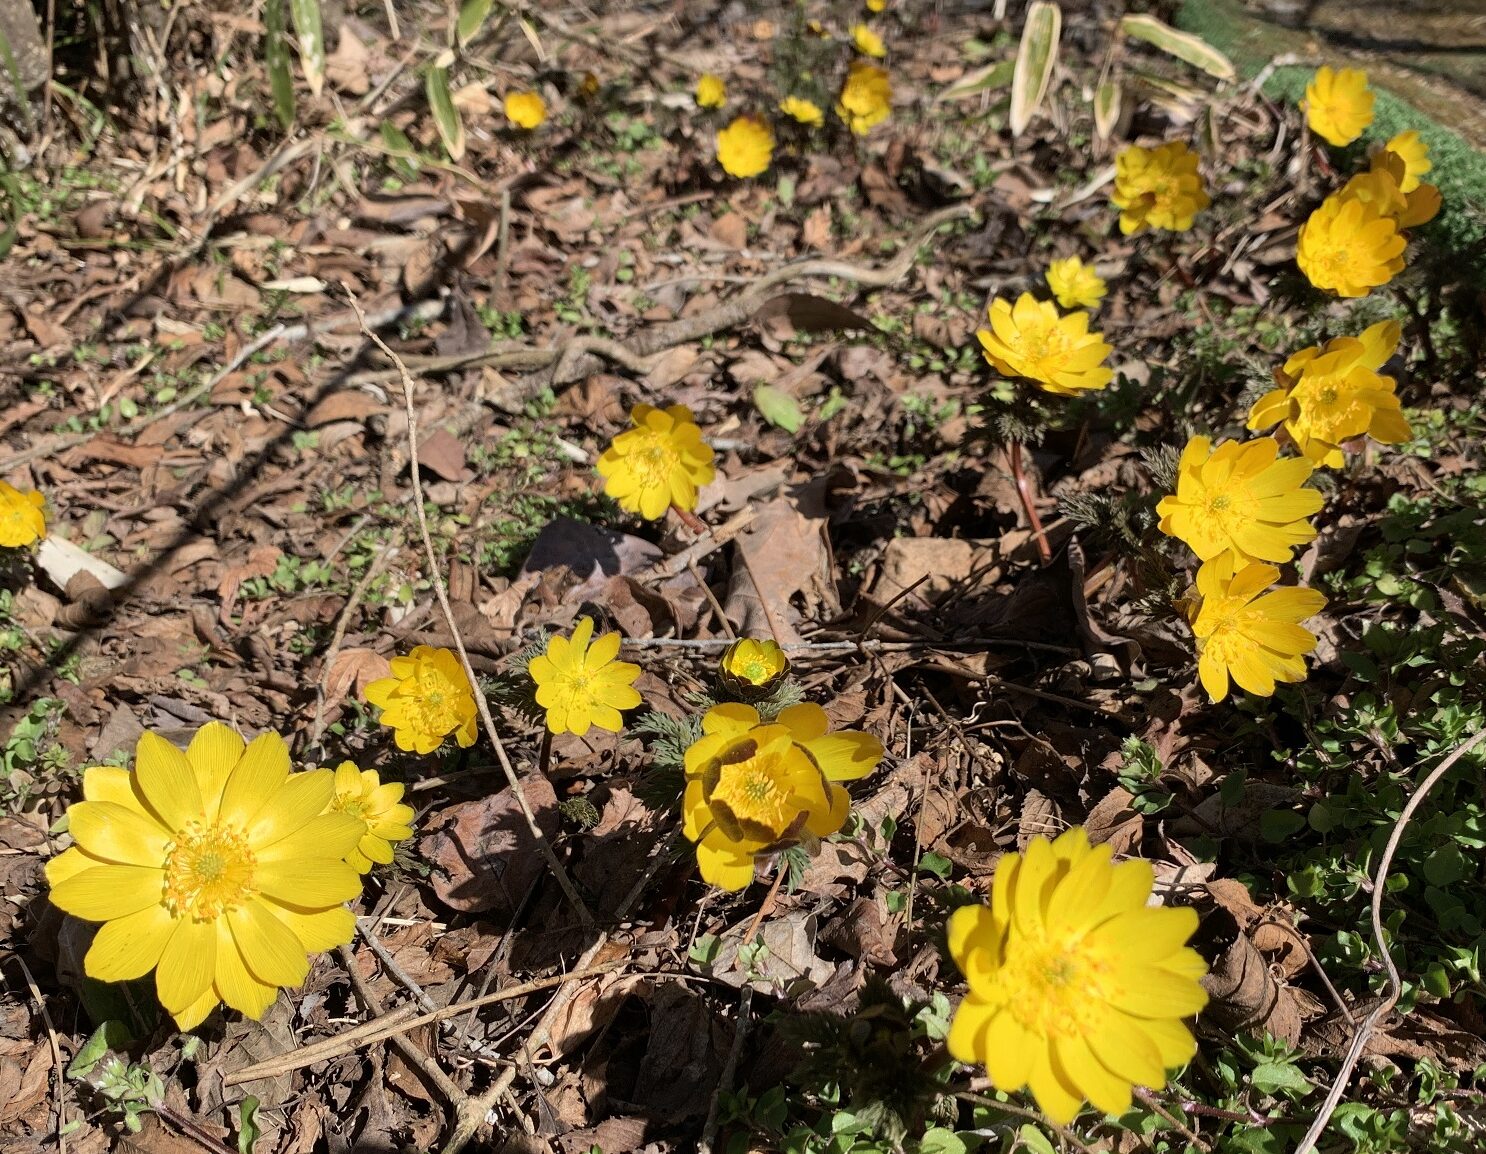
x: 1078, y: 987
x: 805, y: 111
x: 751, y: 669
x: 1158, y: 188
x: 866, y: 97
x: 1411, y: 149
x: 876, y: 5
x: 526, y: 109
x: 1338, y: 105
x: 1381, y: 187
x: 1240, y: 496
x: 1075, y: 284
x: 754, y: 789
x: 21, y: 519
x: 1255, y: 640
x: 1329, y: 395
x: 217, y: 868
x: 1349, y: 247
x: 867, y: 42
x: 661, y: 462
x: 581, y: 685
x: 360, y: 793
x: 745, y: 147
x: 427, y: 698
x: 711, y: 91
x: 1031, y: 340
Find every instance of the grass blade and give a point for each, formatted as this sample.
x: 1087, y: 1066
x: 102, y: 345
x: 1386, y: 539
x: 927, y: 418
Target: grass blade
x: 1183, y: 45
x: 280, y: 69
x: 1035, y: 60
x: 445, y: 116
x: 311, y: 35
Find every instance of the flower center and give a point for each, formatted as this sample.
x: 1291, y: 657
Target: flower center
x: 208, y: 871
x: 436, y: 704
x: 349, y: 803
x: 756, y: 672
x: 756, y: 790
x: 654, y: 462
x: 1061, y: 985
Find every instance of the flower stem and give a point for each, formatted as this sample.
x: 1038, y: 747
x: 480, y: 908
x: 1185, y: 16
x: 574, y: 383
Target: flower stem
x: 690, y: 520
x: 1024, y: 491
x: 544, y: 758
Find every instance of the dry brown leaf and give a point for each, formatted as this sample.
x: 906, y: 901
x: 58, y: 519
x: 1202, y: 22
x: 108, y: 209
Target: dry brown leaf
x: 482, y: 852
x: 353, y: 669
x: 785, y: 555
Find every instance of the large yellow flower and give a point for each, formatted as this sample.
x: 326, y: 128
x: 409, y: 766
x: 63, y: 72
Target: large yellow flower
x: 745, y: 147
x: 660, y: 462
x: 217, y: 868
x: 867, y: 42
x: 360, y: 793
x: 866, y: 98
x: 1329, y: 395
x: 711, y: 91
x: 1075, y: 284
x: 805, y: 111
x: 21, y: 520
x: 525, y: 109
x: 427, y: 698
x: 581, y: 685
x: 1257, y: 641
x: 1240, y: 497
x: 751, y: 670
x: 1158, y: 188
x: 1338, y: 105
x: 1349, y: 247
x: 754, y: 789
x: 1078, y: 987
x: 1029, y: 339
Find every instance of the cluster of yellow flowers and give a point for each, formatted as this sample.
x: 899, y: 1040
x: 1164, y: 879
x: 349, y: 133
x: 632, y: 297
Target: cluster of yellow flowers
x: 22, y: 521
x: 1158, y: 188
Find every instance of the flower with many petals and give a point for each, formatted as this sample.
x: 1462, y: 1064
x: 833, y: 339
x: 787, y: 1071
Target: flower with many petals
x: 711, y: 91
x: 751, y: 670
x: 1158, y: 188
x: 867, y: 42
x: 1255, y: 640
x: 866, y: 98
x: 1029, y: 339
x: 525, y: 109
x: 1338, y: 104
x: 660, y: 462
x: 1075, y: 284
x: 1349, y: 247
x: 754, y: 789
x: 1241, y: 497
x: 802, y: 110
x: 22, y: 521
x: 361, y: 793
x: 582, y: 685
x: 1078, y: 987
x: 217, y: 868
x: 1329, y: 395
x: 745, y: 147
x: 427, y: 698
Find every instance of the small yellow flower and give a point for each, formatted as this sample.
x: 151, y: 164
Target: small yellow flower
x: 1075, y: 284
x: 867, y: 42
x: 711, y: 91
x: 1078, y: 987
x: 427, y: 698
x: 21, y: 519
x: 1410, y: 148
x: 1329, y: 395
x: 1338, y: 105
x: 745, y: 147
x: 1241, y: 497
x: 876, y: 5
x: 1158, y: 188
x: 805, y: 111
x: 526, y: 109
x: 866, y: 97
x: 1381, y: 187
x: 217, y: 868
x: 660, y: 462
x: 1257, y: 641
x: 360, y: 793
x: 1029, y: 339
x: 1348, y: 247
x: 751, y: 670
x: 754, y: 789
x: 582, y: 685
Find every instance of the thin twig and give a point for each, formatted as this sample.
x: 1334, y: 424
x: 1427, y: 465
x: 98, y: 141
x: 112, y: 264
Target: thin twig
x: 1154, y: 1103
x: 1020, y: 1112
x: 57, y: 1066
x: 725, y: 1083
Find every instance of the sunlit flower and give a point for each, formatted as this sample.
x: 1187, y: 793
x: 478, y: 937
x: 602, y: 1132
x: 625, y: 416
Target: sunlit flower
x: 1410, y: 148
x: 866, y: 97
x: 805, y: 111
x: 1075, y: 284
x: 582, y: 685
x: 754, y: 789
x: 427, y: 698
x: 1029, y: 339
x: 526, y: 109
x: 745, y: 147
x: 660, y: 462
x: 1158, y: 188
x: 21, y: 519
x: 867, y: 42
x: 1338, y: 105
x: 751, y: 670
x: 711, y: 91
x: 217, y: 868
x: 876, y: 5
x: 1381, y: 187
x: 1329, y: 395
x: 1256, y: 640
x: 1078, y: 987
x: 1349, y: 247
x: 361, y: 793
x: 1240, y: 496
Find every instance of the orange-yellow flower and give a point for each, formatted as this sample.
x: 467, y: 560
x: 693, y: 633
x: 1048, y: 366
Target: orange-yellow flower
x: 660, y: 462
x: 362, y: 794
x: 1411, y: 149
x: 1381, y: 187
x: 1349, y: 247
x: 427, y: 698
x: 1075, y: 284
x: 1158, y: 188
x: 1029, y: 339
x: 866, y: 98
x: 525, y: 109
x: 22, y: 521
x: 1254, y: 640
x: 745, y: 147
x: 582, y: 685
x: 1338, y: 104
x: 711, y: 91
